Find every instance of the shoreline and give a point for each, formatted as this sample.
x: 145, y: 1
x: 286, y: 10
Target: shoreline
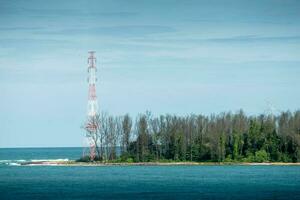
x: 74, y: 164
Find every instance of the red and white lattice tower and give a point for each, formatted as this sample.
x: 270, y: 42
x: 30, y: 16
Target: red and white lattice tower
x: 92, y: 101
x: 92, y: 109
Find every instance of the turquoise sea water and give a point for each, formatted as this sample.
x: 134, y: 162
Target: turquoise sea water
x: 149, y: 182
x: 19, y: 154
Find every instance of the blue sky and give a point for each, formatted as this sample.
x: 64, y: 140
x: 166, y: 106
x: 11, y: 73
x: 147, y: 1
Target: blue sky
x: 165, y: 56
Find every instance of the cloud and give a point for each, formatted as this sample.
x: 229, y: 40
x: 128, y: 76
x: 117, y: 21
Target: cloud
x: 76, y: 12
x: 242, y: 20
x: 20, y: 28
x: 127, y: 31
x: 240, y: 39
x: 253, y: 38
x: 22, y: 42
x: 61, y: 12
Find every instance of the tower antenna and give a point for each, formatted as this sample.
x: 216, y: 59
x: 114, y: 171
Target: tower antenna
x: 92, y: 109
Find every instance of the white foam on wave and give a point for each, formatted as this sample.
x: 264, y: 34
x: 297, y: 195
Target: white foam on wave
x: 14, y: 164
x: 20, y: 160
x: 49, y: 160
x: 42, y: 164
x: 5, y: 161
x: 11, y: 162
x: 32, y: 161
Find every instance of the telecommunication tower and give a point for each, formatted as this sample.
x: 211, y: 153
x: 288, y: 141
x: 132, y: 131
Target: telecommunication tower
x: 92, y: 109
x: 92, y: 99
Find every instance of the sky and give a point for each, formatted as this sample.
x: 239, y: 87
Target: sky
x: 165, y: 56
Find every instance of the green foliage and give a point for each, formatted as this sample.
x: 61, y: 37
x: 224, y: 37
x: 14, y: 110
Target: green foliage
x: 84, y: 159
x: 261, y: 156
x: 225, y: 137
x: 129, y: 160
x: 236, y: 140
x: 125, y: 157
x: 285, y: 158
x: 88, y: 159
x: 222, y: 143
x: 228, y: 159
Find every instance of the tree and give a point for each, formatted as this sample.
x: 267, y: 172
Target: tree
x: 197, y: 138
x: 92, y: 132
x: 126, y: 131
x: 261, y: 156
x: 142, y: 138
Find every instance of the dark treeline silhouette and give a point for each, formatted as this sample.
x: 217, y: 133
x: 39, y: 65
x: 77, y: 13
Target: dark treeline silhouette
x: 224, y: 137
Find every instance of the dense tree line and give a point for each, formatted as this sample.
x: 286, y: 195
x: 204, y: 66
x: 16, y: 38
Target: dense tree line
x: 219, y: 138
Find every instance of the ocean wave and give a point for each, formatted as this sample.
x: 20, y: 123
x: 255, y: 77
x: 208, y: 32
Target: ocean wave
x: 14, y: 164
x: 4, y: 161
x: 31, y: 161
x: 49, y: 160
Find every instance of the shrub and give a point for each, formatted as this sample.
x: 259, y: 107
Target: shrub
x: 285, y: 158
x: 228, y: 159
x: 84, y: 159
x: 129, y: 160
x: 261, y: 156
x: 250, y: 158
x: 88, y: 159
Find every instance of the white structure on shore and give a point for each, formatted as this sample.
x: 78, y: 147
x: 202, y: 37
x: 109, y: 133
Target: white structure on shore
x: 91, y: 126
x: 92, y: 97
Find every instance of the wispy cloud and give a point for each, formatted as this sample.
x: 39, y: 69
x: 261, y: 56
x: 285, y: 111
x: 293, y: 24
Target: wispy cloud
x: 241, y: 20
x: 233, y: 39
x: 31, y: 41
x: 19, y: 28
x: 76, y: 12
x: 62, y: 12
x: 253, y: 38
x: 127, y: 31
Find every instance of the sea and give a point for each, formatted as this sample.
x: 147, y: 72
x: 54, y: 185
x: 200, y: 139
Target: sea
x: 138, y: 182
